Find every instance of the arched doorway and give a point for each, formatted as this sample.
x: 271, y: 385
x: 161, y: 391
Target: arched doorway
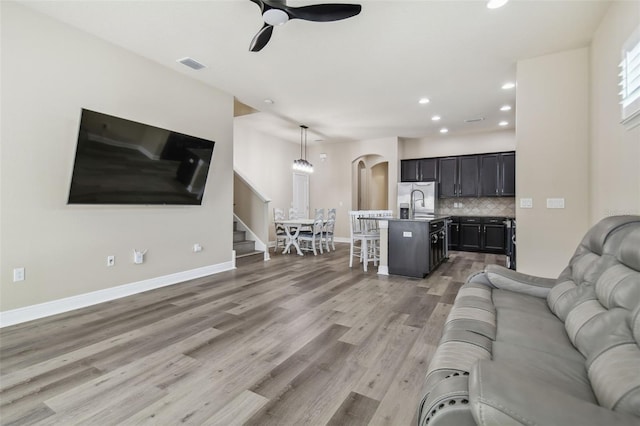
x: 362, y: 186
x: 370, y: 183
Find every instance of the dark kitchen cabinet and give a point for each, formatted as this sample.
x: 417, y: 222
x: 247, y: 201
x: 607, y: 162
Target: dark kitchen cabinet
x: 508, y: 174
x: 494, y: 234
x: 485, y: 234
x: 489, y: 176
x: 458, y: 176
x: 448, y: 181
x: 409, y: 171
x: 470, y: 233
x: 498, y: 175
x: 437, y: 239
x: 453, y: 231
x: 428, y: 168
x: 420, y: 170
x: 409, y: 246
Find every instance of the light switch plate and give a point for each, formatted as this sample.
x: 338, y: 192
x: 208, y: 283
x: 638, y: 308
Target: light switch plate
x: 555, y: 203
x: 526, y: 203
x: 407, y: 234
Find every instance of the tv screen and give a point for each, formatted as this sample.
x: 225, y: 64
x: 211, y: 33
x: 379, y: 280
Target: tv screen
x: 120, y: 161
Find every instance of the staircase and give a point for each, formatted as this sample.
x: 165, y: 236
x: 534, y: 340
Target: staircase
x: 245, y: 249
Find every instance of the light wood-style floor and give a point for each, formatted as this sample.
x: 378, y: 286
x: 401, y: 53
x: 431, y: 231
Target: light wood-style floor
x: 293, y: 341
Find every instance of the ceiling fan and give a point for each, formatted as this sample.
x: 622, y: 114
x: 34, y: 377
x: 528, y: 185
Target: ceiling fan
x: 276, y: 12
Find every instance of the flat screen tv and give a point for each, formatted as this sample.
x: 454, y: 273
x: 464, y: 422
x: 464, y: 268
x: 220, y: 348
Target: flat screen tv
x: 120, y: 161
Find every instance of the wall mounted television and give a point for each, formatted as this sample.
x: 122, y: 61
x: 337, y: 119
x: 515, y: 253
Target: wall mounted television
x: 120, y: 161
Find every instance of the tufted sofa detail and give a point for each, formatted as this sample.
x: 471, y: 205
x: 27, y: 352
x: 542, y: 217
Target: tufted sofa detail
x: 518, y: 349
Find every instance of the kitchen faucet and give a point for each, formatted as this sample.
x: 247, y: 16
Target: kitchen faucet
x: 413, y: 202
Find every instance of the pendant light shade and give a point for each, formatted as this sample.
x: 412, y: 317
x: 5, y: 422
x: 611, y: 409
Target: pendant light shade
x: 301, y: 164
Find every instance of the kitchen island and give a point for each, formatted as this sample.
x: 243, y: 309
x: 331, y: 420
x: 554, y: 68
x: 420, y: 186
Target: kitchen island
x: 412, y: 247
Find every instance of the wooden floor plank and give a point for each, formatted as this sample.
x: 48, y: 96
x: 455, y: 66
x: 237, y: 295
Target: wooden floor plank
x: 356, y: 410
x: 292, y: 341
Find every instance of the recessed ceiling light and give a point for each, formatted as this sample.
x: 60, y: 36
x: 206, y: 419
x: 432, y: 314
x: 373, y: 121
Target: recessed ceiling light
x: 269, y: 101
x: 505, y: 108
x: 503, y: 123
x: 494, y: 4
x: 444, y: 130
x: 424, y: 101
x: 508, y: 86
x: 436, y: 118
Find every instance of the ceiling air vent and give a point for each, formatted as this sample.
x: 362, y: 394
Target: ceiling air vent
x: 474, y: 120
x: 192, y: 63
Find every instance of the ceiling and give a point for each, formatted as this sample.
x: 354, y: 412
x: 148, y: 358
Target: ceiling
x: 355, y: 79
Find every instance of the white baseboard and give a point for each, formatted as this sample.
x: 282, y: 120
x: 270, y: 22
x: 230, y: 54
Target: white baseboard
x: 41, y: 310
x: 383, y: 270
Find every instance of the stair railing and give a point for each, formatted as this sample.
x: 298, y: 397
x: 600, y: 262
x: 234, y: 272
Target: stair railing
x: 251, y: 208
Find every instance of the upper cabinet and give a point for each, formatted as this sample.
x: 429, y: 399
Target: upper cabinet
x: 419, y: 170
x: 508, y: 174
x: 458, y: 176
x: 498, y: 175
x: 482, y: 175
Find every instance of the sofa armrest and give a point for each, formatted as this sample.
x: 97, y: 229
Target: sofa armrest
x: 500, y: 277
x: 499, y: 395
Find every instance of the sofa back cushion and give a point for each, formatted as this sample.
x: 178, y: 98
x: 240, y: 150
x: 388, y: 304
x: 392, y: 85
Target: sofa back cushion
x: 603, y: 320
x: 576, y: 283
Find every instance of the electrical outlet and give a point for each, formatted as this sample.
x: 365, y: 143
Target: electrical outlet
x: 18, y: 274
x: 197, y: 248
x: 111, y: 260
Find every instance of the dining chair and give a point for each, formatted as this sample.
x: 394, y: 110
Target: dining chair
x: 293, y: 213
x: 365, y: 235
x: 281, y: 234
x: 363, y: 239
x: 327, y: 233
x: 318, y: 214
x: 309, y: 240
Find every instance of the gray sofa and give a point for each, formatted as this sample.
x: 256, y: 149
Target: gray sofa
x: 518, y: 349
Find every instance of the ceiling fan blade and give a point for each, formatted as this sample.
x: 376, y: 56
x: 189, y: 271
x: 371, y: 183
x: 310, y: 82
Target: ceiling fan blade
x: 324, y: 12
x: 259, y: 3
x: 261, y: 39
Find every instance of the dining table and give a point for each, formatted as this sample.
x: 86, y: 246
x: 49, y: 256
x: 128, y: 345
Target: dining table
x: 292, y: 228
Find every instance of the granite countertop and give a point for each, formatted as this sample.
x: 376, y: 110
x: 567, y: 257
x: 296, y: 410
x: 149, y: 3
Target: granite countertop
x: 479, y: 215
x: 435, y: 217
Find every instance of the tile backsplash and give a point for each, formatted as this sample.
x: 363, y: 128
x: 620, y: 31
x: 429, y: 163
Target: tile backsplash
x: 484, y: 206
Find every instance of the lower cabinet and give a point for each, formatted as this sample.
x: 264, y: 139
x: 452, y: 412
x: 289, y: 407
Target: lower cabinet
x: 494, y: 235
x: 483, y: 234
x: 470, y: 233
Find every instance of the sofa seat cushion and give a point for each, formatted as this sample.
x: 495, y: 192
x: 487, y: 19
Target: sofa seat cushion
x: 500, y: 394
x: 534, y: 327
x: 566, y: 373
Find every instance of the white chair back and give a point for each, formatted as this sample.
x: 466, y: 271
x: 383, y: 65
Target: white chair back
x: 318, y: 214
x: 293, y: 213
x: 278, y: 214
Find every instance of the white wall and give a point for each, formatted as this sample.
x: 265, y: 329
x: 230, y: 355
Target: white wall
x: 459, y: 144
x: 49, y: 72
x: 266, y: 162
x: 552, y: 117
x: 332, y: 179
x: 615, y: 152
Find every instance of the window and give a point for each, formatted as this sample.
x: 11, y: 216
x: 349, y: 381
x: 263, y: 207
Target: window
x: 630, y: 80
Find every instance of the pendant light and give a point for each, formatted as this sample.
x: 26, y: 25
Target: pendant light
x: 302, y: 164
